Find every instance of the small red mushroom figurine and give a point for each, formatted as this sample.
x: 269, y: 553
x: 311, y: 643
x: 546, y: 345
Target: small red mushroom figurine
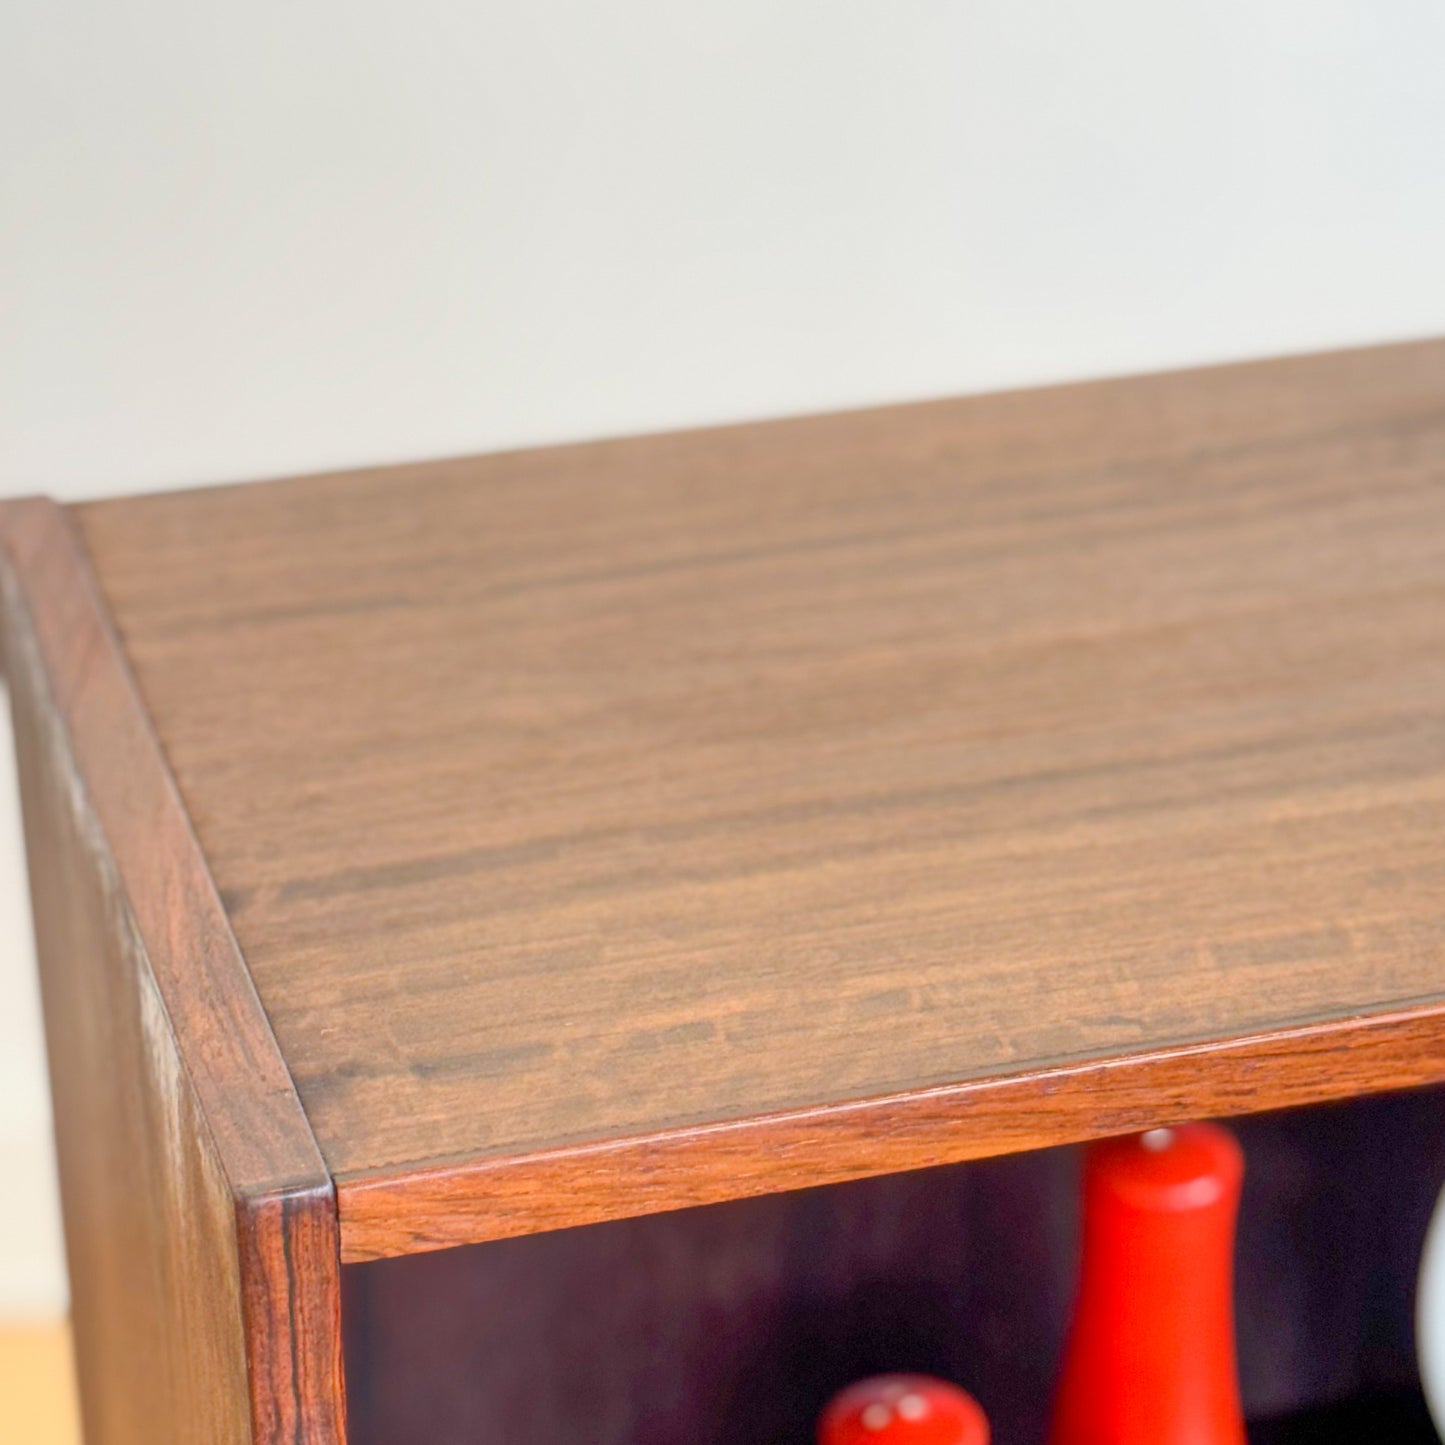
x: 903, y: 1410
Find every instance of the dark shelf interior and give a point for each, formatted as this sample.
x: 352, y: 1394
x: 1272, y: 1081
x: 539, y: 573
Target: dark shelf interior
x: 1396, y: 1418
x: 732, y: 1324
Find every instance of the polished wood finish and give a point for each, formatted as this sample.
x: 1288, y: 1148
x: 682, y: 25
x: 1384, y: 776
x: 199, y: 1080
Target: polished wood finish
x: 497, y: 1199
x: 437, y: 854
x: 200, y: 1219
x: 613, y: 827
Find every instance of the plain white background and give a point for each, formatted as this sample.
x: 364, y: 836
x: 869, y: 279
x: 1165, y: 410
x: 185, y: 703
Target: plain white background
x: 242, y: 240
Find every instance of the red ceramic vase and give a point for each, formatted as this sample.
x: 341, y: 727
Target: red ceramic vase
x: 1150, y: 1358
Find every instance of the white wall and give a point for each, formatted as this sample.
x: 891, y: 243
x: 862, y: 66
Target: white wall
x: 246, y: 239
x: 32, y: 1276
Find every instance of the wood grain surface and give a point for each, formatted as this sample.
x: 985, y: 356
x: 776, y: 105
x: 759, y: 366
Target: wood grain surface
x: 386, y: 1215
x: 644, y: 790
x: 180, y: 1137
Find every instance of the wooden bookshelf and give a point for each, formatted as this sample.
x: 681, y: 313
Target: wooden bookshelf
x: 436, y: 854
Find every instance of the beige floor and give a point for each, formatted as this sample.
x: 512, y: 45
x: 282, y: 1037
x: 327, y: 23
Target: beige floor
x: 37, y: 1388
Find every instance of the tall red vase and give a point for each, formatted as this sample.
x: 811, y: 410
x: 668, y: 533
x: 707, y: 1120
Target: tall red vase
x: 1150, y: 1358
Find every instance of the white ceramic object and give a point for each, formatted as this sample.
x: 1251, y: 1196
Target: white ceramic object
x: 1430, y: 1317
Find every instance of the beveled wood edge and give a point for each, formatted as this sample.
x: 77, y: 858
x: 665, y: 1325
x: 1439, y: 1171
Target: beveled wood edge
x: 411, y: 1211
x: 285, y: 1204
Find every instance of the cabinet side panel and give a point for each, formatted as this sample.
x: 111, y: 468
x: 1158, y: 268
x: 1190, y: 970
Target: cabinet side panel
x: 149, y: 1215
x: 201, y: 1216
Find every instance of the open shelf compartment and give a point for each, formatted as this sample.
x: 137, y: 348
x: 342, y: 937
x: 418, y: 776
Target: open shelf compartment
x: 732, y: 1324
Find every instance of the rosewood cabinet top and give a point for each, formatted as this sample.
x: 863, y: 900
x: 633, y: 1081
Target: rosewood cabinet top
x: 626, y: 825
